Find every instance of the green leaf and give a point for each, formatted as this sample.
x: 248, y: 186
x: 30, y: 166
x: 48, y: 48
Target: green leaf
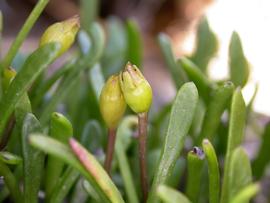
x: 63, y: 185
x: 240, y: 174
x: 196, y: 76
x: 239, y: 66
x: 33, y: 160
x: 213, y: 171
x: 89, y: 11
x: 124, y: 134
x: 64, y: 153
x: 134, y: 43
x: 11, y: 182
x: 97, y: 80
x: 177, y: 73
x: 206, y: 45
x: 195, y: 161
x: 96, y: 171
x: 9, y: 158
x: 262, y: 160
x: 32, y: 18
x: 60, y: 129
x: 114, y: 57
x: 88, y: 60
x: 235, y: 137
x: 34, y: 65
x: 219, y: 101
x: 169, y: 195
x: 182, y: 113
x: 91, y: 137
x: 246, y: 193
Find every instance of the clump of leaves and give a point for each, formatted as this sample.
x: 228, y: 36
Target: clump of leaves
x: 53, y: 129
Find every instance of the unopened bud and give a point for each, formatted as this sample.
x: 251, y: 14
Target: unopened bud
x: 136, y: 89
x: 112, y: 102
x: 62, y: 32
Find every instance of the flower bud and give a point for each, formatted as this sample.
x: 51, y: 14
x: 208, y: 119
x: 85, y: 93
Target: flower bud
x: 8, y: 75
x: 62, y: 32
x: 112, y: 102
x: 136, y: 89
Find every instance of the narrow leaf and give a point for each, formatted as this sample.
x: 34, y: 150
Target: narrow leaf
x: 96, y: 171
x: 262, y: 160
x: 9, y: 158
x: 240, y: 174
x: 239, y: 66
x: 180, y: 121
x: 33, y: 66
x: 196, y: 75
x: 219, y: 100
x: 134, y: 43
x: 206, y: 46
x: 169, y: 195
x: 195, y: 161
x: 213, y: 171
x: 246, y: 193
x: 235, y: 137
x: 177, y: 73
x: 33, y: 160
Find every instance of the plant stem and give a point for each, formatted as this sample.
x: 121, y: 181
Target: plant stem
x: 23, y: 33
x: 7, y: 132
x: 142, y: 121
x: 110, y: 150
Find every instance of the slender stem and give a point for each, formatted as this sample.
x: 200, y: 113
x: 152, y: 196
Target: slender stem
x: 23, y: 33
x: 11, y: 183
x: 142, y: 118
x: 110, y: 150
x: 7, y: 132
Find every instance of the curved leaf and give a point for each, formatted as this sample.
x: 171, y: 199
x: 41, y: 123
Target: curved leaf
x: 33, y: 66
x: 180, y: 121
x: 169, y: 195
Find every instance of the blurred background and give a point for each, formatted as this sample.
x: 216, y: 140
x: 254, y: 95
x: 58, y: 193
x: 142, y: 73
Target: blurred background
x: 177, y: 18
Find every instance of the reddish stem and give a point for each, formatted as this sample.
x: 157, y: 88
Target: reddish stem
x: 110, y: 150
x: 142, y: 118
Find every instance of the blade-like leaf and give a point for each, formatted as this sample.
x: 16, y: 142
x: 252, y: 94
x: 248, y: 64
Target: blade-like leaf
x: 33, y: 66
x: 64, y: 153
x: 123, y: 139
x: 262, y: 160
x: 239, y: 66
x: 180, y: 121
x: 96, y: 171
x: 195, y: 161
x: 213, y: 171
x: 9, y: 158
x: 177, y: 73
x: 235, y: 137
x: 134, y: 46
x: 33, y: 160
x: 218, y: 102
x: 240, y: 174
x: 246, y: 193
x: 196, y: 76
x: 169, y: 195
x: 114, y: 56
x: 206, y: 45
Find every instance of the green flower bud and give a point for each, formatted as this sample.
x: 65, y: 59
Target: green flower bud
x: 8, y: 75
x: 136, y: 89
x: 63, y: 32
x: 112, y: 102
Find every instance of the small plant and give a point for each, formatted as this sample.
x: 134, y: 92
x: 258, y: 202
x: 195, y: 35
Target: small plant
x: 94, y: 150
